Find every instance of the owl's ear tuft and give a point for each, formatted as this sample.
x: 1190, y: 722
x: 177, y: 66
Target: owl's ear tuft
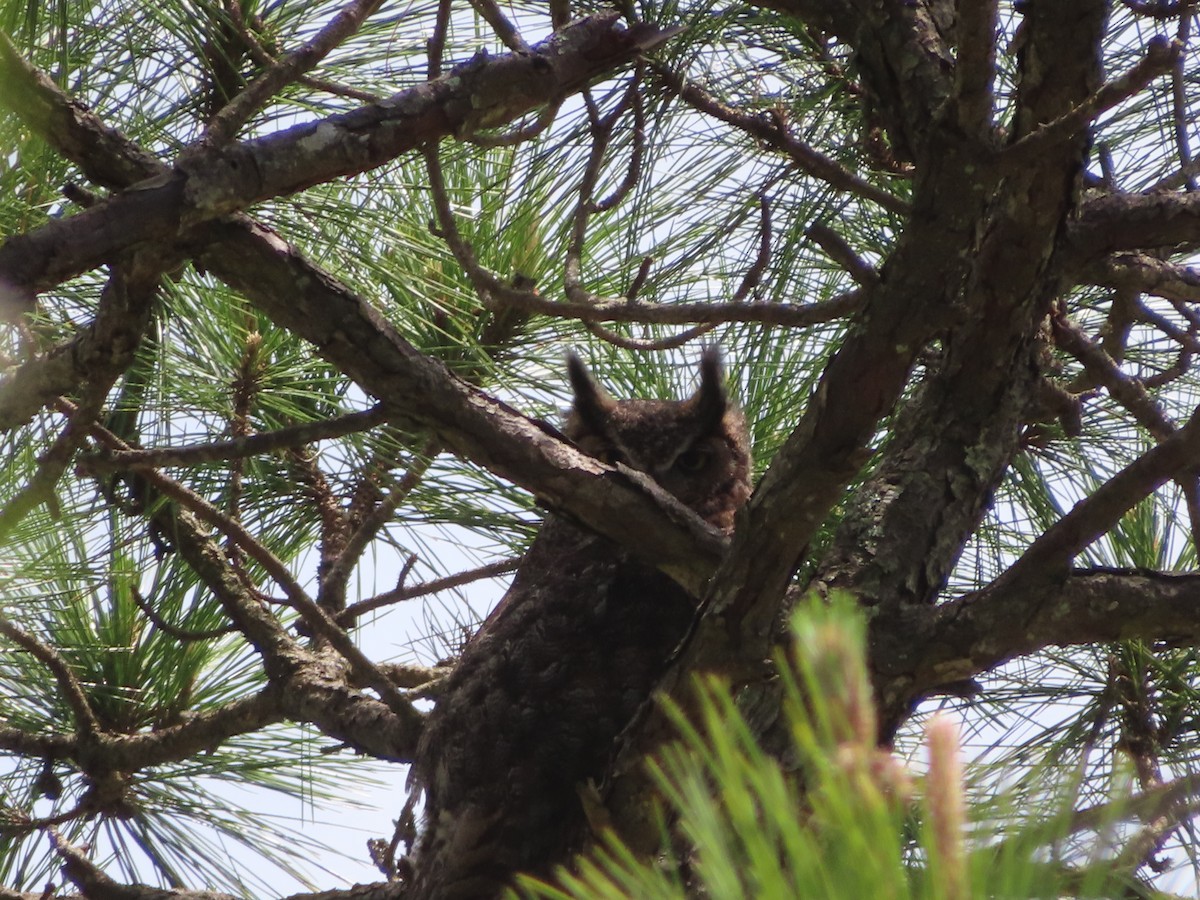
x: 710, y: 400
x: 593, y: 404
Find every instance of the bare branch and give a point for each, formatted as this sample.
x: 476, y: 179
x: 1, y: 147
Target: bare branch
x: 973, y: 633
x: 1146, y: 274
x: 357, y: 610
x: 259, y: 92
x: 288, y: 437
x: 1160, y: 57
x: 773, y: 131
x: 98, y: 353
x: 1129, y: 392
x: 1135, y: 222
x: 783, y: 314
x: 209, y: 184
x: 333, y: 581
x: 68, y: 684
x: 975, y: 66
x: 842, y: 254
x: 1051, y: 554
x: 184, y: 635
x: 504, y: 29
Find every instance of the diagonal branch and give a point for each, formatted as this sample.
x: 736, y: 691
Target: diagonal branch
x: 207, y: 184
x: 1050, y: 556
x: 773, y: 130
x: 69, y: 686
x: 251, y: 445
x: 419, y: 391
x: 258, y: 93
x: 1161, y: 56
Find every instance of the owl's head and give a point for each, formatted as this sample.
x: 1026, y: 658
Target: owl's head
x: 697, y: 449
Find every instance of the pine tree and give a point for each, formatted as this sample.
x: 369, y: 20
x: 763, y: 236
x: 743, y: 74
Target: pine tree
x: 285, y: 292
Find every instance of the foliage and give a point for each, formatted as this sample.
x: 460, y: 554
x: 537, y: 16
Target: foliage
x: 851, y: 821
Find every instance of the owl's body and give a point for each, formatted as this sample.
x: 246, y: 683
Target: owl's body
x: 533, y: 708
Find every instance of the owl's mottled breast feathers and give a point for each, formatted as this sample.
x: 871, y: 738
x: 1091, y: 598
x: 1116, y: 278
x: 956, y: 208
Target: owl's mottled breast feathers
x: 534, y: 705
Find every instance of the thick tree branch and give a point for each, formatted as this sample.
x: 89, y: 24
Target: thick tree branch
x: 210, y: 183
x: 310, y: 687
x: 420, y: 393
x: 419, y: 390
x: 1160, y: 57
x: 979, y: 631
x: 975, y: 66
x: 1135, y: 222
x: 107, y: 157
x: 1146, y: 274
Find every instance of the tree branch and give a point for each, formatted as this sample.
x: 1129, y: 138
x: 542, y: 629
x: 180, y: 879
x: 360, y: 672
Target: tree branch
x: 207, y: 184
x: 1134, y: 222
x: 1051, y: 554
x: 979, y: 631
x: 1160, y: 57
x: 420, y: 393
x: 975, y: 66
x: 251, y: 445
x: 259, y: 92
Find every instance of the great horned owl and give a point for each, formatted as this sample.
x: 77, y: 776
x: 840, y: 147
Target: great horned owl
x: 532, y: 709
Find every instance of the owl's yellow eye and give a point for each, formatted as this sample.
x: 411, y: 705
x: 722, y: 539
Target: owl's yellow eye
x: 693, y: 460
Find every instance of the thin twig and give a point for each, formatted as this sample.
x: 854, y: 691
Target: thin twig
x: 210, y: 515
x: 356, y: 610
x: 543, y: 120
x: 841, y: 253
x: 771, y: 129
x: 447, y: 228
x: 637, y: 152
x: 335, y: 524
x: 251, y: 445
x: 648, y: 345
x: 333, y: 581
x: 639, y: 280
x: 1185, y: 338
x: 53, y: 463
x: 184, y: 635
x: 1179, y: 101
x: 1129, y: 392
x: 435, y: 48
x: 762, y: 259
x: 750, y: 281
x: 601, y: 133
x: 225, y: 124
x: 69, y: 686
